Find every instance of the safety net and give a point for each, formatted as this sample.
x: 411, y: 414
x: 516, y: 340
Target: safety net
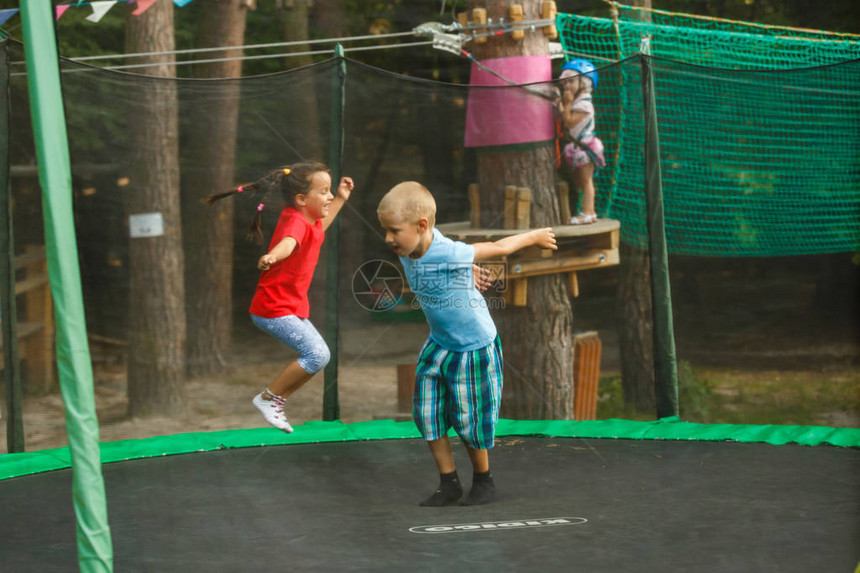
x: 167, y: 290
x: 758, y: 132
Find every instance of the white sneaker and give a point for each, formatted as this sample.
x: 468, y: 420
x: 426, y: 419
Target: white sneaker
x: 273, y: 411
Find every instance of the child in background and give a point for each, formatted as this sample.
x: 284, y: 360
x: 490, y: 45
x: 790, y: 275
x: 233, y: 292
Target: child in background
x: 280, y: 304
x: 458, y: 378
x: 584, y: 152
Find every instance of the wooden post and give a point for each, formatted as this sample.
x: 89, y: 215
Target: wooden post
x: 511, y: 193
x: 564, y: 201
x: 474, y: 206
x: 573, y: 284
x: 405, y: 387
x: 523, y: 213
x: 586, y: 375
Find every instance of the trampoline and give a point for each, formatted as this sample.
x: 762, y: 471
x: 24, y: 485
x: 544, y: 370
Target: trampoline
x: 564, y: 503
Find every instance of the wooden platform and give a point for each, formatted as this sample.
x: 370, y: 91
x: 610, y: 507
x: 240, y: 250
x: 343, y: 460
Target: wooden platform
x: 35, y: 333
x: 580, y: 247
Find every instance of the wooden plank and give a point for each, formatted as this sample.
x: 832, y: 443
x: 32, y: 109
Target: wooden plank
x: 562, y: 263
x: 463, y: 231
x: 39, y: 308
x: 32, y: 255
x: 31, y: 284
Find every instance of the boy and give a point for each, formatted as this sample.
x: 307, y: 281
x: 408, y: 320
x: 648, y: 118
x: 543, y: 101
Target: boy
x: 458, y: 379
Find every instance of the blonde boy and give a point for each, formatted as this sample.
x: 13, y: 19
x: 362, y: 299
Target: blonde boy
x: 458, y: 379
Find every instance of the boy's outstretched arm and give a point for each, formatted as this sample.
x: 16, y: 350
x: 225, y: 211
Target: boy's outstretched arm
x: 544, y: 238
x: 344, y: 189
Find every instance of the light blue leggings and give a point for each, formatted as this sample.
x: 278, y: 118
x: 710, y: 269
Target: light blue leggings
x: 300, y: 335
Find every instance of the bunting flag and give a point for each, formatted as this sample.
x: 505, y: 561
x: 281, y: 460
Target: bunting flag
x: 6, y: 14
x: 100, y: 8
x: 142, y: 6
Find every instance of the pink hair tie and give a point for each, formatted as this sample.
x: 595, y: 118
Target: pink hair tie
x: 260, y: 207
x: 239, y: 189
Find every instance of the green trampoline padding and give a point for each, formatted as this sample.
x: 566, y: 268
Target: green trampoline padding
x: 15, y: 465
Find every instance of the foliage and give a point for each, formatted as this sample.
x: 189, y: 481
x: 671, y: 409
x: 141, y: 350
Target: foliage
x: 729, y: 396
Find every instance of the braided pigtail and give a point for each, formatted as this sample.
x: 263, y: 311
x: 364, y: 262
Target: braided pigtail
x: 272, y: 181
x: 288, y: 181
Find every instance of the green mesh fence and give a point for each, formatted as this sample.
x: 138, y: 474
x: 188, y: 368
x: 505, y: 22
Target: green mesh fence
x: 758, y: 132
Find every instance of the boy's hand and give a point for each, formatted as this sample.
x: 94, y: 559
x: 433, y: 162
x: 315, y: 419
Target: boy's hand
x: 545, y: 238
x: 266, y: 261
x: 482, y: 278
x: 345, y: 187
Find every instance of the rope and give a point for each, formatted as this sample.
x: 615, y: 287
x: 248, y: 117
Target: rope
x: 617, y: 5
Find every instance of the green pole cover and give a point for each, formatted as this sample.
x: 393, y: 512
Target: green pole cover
x: 95, y: 552
x: 665, y: 364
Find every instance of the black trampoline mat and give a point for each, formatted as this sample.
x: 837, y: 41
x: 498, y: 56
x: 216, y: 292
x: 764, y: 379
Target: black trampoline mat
x: 564, y: 504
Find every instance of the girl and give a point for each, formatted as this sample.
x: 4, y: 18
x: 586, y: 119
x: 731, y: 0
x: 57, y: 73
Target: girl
x: 280, y: 304
x: 584, y: 152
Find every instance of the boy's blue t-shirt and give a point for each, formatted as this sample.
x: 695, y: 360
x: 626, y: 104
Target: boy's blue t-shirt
x: 444, y: 285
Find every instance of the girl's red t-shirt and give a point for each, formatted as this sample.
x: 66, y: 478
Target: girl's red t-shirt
x: 283, y: 289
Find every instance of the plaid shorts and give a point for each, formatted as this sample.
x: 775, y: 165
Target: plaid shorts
x: 460, y: 390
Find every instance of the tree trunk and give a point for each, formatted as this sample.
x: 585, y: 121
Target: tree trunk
x: 635, y: 328
x: 209, y: 230
x: 296, y: 24
x: 156, y: 361
x: 537, y: 339
x: 635, y: 322
x: 295, y: 18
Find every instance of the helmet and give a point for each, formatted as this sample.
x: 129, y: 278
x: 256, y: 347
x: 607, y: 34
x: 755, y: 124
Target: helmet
x: 584, y: 67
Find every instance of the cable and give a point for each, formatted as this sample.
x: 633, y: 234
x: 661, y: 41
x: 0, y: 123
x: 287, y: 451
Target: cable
x: 251, y: 47
x: 242, y: 58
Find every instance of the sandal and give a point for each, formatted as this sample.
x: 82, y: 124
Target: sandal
x: 583, y: 219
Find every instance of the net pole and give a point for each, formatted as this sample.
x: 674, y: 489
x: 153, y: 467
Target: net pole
x: 331, y: 403
x: 665, y: 367
x: 95, y: 552
x: 11, y: 369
